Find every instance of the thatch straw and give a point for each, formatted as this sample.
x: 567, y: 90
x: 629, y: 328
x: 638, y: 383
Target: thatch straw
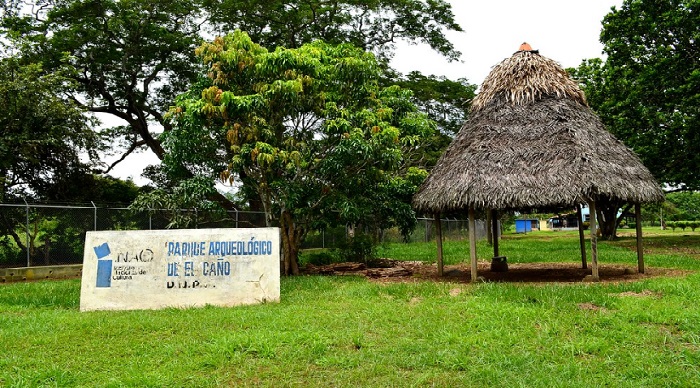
x: 532, y: 142
x: 524, y: 78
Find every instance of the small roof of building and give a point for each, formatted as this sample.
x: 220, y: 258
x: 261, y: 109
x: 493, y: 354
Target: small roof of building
x: 532, y: 141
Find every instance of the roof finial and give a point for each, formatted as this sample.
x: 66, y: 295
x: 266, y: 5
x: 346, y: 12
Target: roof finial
x: 525, y: 47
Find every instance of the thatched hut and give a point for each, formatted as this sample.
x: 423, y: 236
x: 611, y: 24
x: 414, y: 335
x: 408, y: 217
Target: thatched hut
x: 532, y: 142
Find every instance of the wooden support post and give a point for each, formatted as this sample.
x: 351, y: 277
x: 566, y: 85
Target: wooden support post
x: 472, y: 242
x: 438, y: 238
x: 582, y: 239
x: 489, y: 234
x: 494, y: 231
x: 594, y: 241
x: 640, y: 248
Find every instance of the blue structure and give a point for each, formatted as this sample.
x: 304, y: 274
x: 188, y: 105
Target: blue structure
x: 524, y: 226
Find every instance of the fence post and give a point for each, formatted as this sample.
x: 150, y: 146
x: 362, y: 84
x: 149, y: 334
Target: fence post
x: 95, y: 216
x: 29, y: 263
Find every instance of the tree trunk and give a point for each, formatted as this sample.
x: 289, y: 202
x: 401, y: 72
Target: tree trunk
x: 608, y: 221
x: 291, y: 239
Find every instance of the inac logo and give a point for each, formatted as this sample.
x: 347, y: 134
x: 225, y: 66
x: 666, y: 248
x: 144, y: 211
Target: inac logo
x: 104, y: 265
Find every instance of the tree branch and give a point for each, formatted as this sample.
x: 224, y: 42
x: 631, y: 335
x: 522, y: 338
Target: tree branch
x: 134, y: 145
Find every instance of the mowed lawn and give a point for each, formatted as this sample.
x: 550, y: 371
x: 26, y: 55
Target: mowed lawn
x: 347, y: 331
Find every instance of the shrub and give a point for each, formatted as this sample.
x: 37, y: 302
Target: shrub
x: 672, y: 224
x: 694, y: 225
x: 360, y: 248
x: 11, y: 255
x: 319, y: 257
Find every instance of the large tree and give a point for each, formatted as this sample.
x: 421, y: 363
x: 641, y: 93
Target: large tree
x: 133, y: 57
x: 43, y: 134
x: 309, y: 130
x: 445, y: 101
x: 647, y: 92
x: 43, y: 139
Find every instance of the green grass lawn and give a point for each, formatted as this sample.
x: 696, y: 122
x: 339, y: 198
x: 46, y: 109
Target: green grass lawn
x: 348, y: 331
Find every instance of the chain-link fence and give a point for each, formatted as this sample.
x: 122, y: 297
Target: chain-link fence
x: 452, y: 229
x: 39, y: 234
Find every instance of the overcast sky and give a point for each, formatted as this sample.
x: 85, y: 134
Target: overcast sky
x: 566, y: 31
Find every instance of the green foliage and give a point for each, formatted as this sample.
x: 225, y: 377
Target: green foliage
x: 131, y: 57
x: 445, y: 101
x: 672, y: 224
x: 371, y: 25
x: 647, y: 92
x: 359, y: 248
x: 134, y: 57
x: 180, y: 202
x: 10, y: 253
x: 308, y: 130
x: 686, y: 205
x: 654, y: 213
x: 42, y: 134
x: 85, y: 187
x: 323, y: 257
x: 683, y: 225
x: 43, y: 140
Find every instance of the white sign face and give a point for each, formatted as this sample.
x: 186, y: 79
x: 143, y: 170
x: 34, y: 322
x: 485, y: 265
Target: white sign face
x: 152, y: 269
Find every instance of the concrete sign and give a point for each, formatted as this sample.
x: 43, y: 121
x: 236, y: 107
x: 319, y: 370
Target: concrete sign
x: 152, y: 269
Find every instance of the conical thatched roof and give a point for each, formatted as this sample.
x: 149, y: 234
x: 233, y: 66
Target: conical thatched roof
x: 531, y: 141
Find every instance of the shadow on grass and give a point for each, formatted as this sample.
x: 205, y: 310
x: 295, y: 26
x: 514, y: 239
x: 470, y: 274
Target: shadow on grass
x: 663, y: 244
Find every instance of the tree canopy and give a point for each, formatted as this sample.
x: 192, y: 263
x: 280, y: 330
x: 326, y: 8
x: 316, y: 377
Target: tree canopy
x: 374, y: 25
x: 686, y: 205
x: 43, y: 134
x: 308, y: 130
x: 648, y: 90
x: 45, y: 142
x: 133, y: 57
x: 445, y: 101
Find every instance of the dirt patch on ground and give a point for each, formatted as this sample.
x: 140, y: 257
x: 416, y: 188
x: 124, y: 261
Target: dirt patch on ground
x: 642, y: 294
x: 412, y: 271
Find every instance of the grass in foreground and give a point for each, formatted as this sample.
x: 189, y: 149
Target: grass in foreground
x: 347, y: 331
x: 662, y: 249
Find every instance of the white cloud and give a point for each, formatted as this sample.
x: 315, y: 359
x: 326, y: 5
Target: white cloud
x: 565, y: 31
